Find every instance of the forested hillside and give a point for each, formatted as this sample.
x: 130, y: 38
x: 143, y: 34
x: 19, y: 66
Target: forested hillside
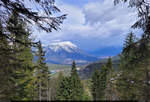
x: 87, y: 71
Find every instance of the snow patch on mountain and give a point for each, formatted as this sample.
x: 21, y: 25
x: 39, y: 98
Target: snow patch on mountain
x: 64, y: 52
x: 65, y: 45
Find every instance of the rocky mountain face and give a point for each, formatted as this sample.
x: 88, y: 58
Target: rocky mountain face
x: 65, y: 52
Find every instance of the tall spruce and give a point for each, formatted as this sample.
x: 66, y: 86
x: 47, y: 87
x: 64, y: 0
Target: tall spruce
x: 144, y: 58
x: 70, y: 87
x: 6, y: 69
x: 129, y: 49
x: 43, y: 74
x: 64, y: 89
x: 128, y: 67
x: 142, y: 52
x: 95, y: 85
x: 76, y: 85
x: 99, y: 79
x: 109, y: 65
x: 23, y: 69
x: 109, y: 91
x: 135, y: 68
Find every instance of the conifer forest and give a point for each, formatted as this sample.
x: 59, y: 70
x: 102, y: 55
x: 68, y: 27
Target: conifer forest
x: 31, y: 72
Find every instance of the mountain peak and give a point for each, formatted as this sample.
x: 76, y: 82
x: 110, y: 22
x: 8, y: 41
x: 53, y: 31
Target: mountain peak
x: 65, y: 45
x: 64, y: 52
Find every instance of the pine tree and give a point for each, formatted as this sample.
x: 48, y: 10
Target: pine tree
x: 42, y: 74
x: 129, y: 45
x: 19, y: 59
x: 144, y: 58
x: 109, y: 90
x: 133, y: 82
x: 103, y: 80
x: 125, y: 83
x: 23, y: 69
x: 95, y: 85
x: 109, y: 65
x: 64, y: 89
x: 95, y: 88
x: 70, y: 88
x: 77, y: 87
x: 128, y: 53
x: 6, y: 71
x: 99, y: 82
x: 141, y: 55
x: 16, y: 65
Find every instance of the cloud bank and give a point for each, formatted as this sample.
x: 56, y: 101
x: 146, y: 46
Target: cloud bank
x: 97, y: 24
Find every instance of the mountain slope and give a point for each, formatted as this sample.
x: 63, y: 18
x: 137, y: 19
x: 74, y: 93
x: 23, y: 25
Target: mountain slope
x: 87, y: 72
x: 65, y: 52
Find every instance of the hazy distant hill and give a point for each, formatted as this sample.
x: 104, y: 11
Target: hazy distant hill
x: 107, y: 51
x: 86, y: 72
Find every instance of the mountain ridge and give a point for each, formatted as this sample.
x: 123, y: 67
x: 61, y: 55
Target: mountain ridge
x: 64, y: 52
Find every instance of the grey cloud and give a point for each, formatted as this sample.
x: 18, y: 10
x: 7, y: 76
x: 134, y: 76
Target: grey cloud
x: 97, y: 24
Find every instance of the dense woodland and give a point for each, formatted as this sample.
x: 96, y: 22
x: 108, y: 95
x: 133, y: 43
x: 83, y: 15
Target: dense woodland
x: 23, y: 78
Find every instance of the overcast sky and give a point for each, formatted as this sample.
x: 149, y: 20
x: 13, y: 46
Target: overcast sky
x: 92, y: 24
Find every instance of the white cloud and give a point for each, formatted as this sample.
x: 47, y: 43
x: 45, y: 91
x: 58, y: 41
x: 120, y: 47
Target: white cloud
x: 75, y: 15
x: 108, y: 16
x: 100, y: 20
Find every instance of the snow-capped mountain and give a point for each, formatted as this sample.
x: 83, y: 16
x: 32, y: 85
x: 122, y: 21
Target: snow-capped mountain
x: 64, y: 52
x: 66, y: 45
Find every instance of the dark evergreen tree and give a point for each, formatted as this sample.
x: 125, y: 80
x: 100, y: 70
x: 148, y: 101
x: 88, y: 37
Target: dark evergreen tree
x: 129, y: 45
x: 109, y: 65
x: 19, y: 59
x: 109, y: 91
x: 135, y: 68
x: 99, y: 79
x: 128, y: 55
x: 6, y: 70
x: 76, y: 85
x: 43, y: 74
x: 95, y: 85
x: 70, y: 88
x: 64, y: 90
x: 23, y: 69
x: 143, y: 65
x: 15, y: 48
x: 125, y: 84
